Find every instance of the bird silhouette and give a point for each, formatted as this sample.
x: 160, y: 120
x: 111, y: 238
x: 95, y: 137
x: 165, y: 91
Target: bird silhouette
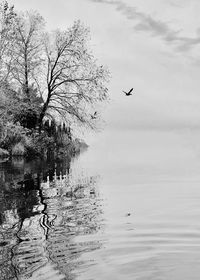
x: 94, y: 116
x: 129, y: 92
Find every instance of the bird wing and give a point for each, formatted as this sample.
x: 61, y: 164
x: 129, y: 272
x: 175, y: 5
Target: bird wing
x: 130, y: 90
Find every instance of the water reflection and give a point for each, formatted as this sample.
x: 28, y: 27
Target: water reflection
x: 44, y: 208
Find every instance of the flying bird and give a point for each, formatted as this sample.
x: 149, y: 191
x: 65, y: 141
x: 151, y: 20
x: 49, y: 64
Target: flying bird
x: 94, y: 116
x: 129, y: 92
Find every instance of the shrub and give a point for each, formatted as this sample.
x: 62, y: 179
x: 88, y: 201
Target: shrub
x: 11, y: 134
x: 4, y: 153
x: 18, y: 149
x: 39, y: 144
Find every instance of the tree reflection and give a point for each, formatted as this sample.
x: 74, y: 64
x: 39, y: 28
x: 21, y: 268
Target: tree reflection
x: 41, y: 219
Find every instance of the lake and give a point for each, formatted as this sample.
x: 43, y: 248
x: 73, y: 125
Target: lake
x: 127, y: 208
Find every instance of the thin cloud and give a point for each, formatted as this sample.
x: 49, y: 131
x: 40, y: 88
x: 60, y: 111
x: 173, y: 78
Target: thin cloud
x: 157, y: 28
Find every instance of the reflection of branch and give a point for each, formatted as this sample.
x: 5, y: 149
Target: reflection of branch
x: 44, y: 224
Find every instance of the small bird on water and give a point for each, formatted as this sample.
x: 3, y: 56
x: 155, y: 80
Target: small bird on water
x: 129, y: 92
x: 128, y: 214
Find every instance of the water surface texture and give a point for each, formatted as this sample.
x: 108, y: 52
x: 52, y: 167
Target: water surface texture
x: 128, y: 208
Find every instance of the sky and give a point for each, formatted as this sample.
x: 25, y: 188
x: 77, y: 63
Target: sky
x: 153, y: 46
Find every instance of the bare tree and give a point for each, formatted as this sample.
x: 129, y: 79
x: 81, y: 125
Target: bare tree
x: 27, y: 51
x: 7, y: 22
x: 75, y: 83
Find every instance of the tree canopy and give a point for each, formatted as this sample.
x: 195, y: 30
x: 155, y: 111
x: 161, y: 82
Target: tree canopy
x: 75, y: 83
x: 53, y: 75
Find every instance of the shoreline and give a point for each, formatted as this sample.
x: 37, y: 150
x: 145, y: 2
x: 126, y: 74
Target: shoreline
x: 72, y: 148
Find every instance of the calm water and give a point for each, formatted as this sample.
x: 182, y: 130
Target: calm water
x: 128, y: 208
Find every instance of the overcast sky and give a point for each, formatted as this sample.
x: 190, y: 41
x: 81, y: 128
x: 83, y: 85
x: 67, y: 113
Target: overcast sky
x: 151, y: 45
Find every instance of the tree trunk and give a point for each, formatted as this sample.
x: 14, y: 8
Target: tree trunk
x: 26, y: 89
x: 43, y: 112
